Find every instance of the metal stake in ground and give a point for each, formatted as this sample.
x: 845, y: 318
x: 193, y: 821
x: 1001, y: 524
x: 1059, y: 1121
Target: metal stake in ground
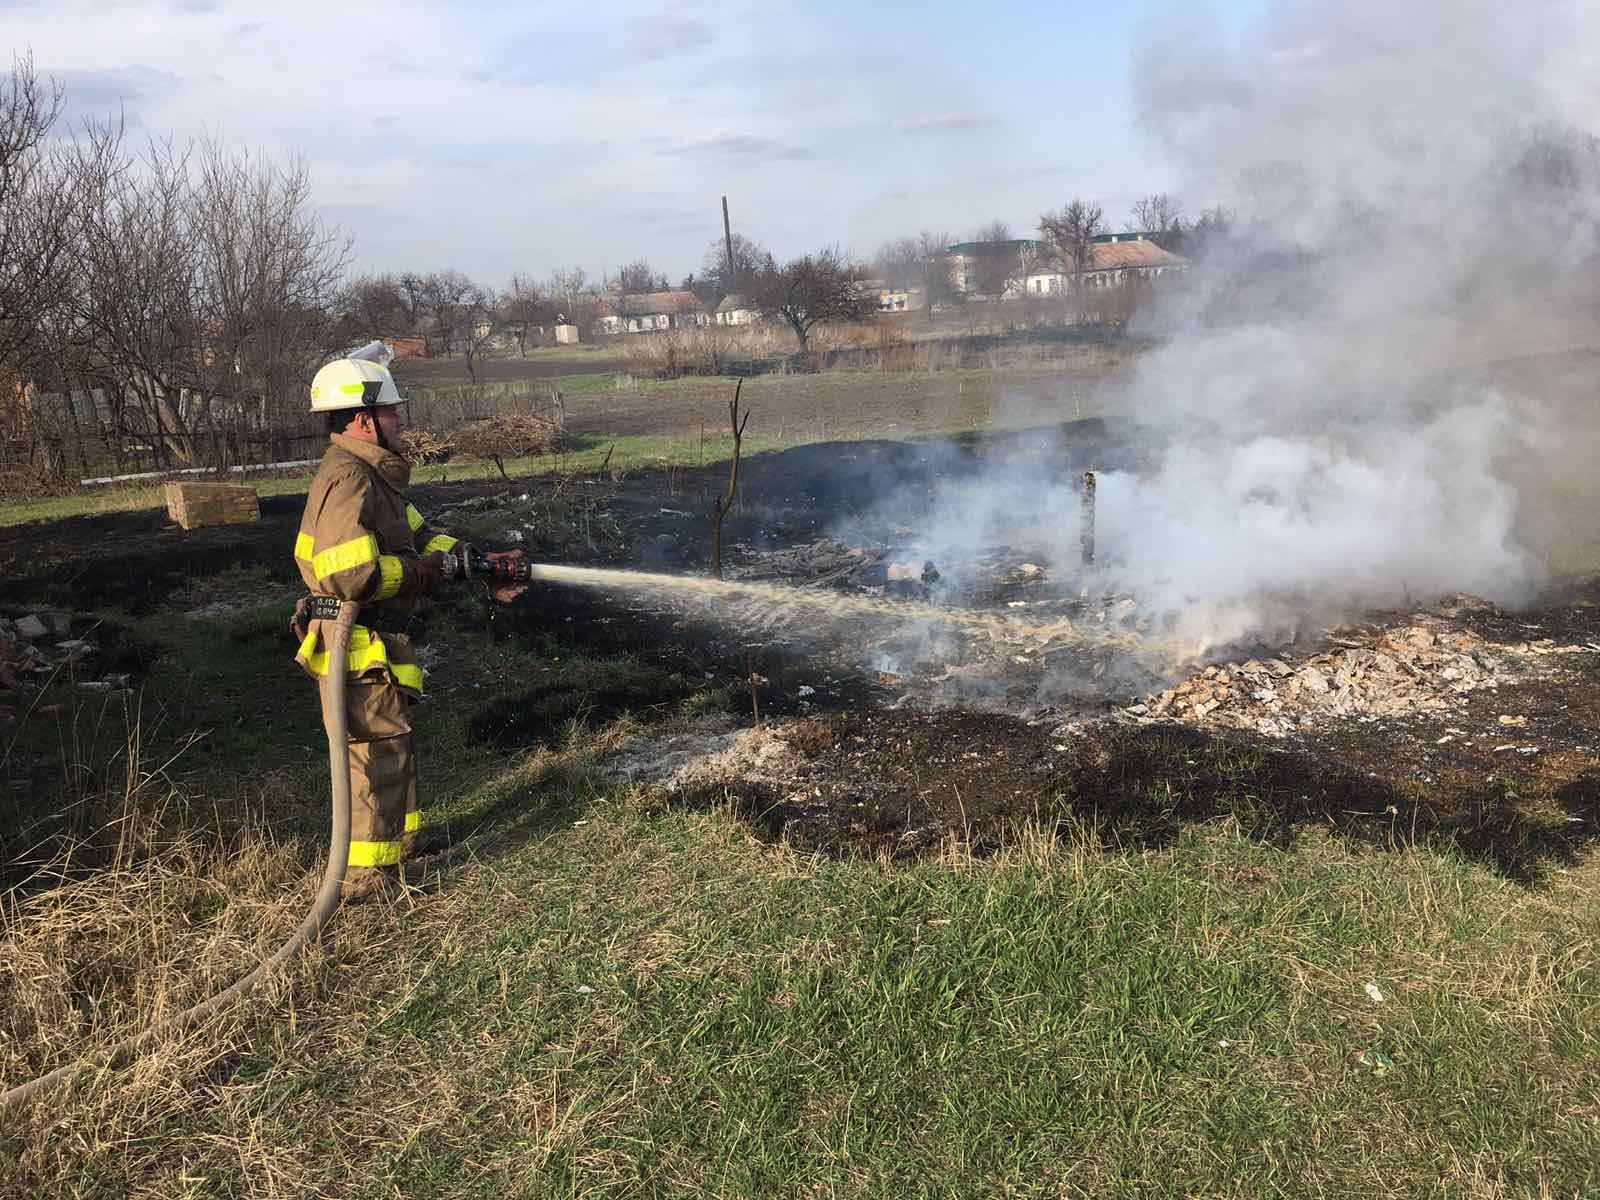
x: 1086, y: 535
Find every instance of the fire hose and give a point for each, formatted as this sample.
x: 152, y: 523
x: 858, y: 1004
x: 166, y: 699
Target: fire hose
x: 465, y: 563
x: 334, y: 720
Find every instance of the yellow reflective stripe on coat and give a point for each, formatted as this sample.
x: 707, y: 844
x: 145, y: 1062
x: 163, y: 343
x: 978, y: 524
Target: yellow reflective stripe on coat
x: 374, y: 854
x: 357, y: 552
x: 366, y: 651
x: 439, y: 541
x: 304, y: 547
x: 413, y: 821
x: 414, y: 518
x: 394, y: 576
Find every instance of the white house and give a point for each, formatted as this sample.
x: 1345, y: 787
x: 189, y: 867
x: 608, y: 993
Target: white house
x: 735, y: 310
x: 652, y: 312
x: 891, y: 297
x: 1117, y: 257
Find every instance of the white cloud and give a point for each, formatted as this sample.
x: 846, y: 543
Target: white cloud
x: 950, y: 122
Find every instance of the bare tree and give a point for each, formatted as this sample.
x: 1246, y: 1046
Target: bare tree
x: 1160, y: 216
x: 35, y: 199
x: 720, y: 278
x: 479, y: 323
x: 900, y: 262
x: 1070, y: 234
x: 994, y: 231
x: 440, y: 300
x: 1201, y: 237
x: 523, y: 307
x: 993, y: 258
x: 565, y: 286
x: 376, y: 306
x: 920, y: 262
x: 811, y: 289
x: 640, y: 278
x: 139, y: 264
x: 938, y: 279
x: 268, y: 274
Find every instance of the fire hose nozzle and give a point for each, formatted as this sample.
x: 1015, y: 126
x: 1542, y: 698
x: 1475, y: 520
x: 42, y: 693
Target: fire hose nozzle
x: 467, y: 563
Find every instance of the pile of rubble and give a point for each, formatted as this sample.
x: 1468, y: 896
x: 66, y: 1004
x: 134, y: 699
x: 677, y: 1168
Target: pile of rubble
x: 35, y: 647
x: 1424, y: 666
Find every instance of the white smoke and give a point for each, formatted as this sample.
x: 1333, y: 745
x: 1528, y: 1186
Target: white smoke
x: 1413, y: 195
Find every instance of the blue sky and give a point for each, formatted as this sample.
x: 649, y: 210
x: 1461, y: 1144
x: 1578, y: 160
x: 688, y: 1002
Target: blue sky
x: 500, y: 137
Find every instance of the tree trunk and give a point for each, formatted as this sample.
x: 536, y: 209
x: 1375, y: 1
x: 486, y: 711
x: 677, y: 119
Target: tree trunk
x: 800, y: 332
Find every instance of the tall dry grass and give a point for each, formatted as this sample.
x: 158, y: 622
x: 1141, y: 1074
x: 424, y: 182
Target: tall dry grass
x: 140, y: 912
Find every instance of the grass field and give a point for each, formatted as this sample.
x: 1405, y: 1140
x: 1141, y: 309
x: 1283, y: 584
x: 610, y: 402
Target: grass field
x: 615, y: 993
x: 612, y: 996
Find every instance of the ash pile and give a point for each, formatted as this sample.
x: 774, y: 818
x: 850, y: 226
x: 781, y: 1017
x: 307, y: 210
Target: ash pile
x: 1424, y: 662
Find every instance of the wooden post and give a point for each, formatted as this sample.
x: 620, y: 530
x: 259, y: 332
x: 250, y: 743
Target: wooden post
x: 721, y: 504
x: 1086, y: 536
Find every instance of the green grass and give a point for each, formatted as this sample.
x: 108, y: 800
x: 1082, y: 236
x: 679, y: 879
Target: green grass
x: 613, y: 996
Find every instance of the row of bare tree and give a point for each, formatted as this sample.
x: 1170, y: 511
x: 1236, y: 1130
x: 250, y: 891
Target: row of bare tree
x: 162, y: 299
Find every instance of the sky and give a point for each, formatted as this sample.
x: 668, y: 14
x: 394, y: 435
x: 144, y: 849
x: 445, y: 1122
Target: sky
x: 500, y: 138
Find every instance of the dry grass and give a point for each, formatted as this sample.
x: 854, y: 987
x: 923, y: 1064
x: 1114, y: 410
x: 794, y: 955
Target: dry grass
x: 510, y: 435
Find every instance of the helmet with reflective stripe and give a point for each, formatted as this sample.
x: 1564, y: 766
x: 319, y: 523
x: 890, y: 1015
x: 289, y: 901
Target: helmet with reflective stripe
x: 353, y: 383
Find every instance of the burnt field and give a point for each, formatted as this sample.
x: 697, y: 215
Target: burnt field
x: 883, y: 731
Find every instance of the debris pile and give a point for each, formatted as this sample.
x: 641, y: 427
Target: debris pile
x: 37, y: 646
x: 1424, y: 666
x: 818, y: 563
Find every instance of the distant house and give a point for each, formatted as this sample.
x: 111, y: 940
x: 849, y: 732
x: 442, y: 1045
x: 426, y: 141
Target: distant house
x: 736, y: 310
x: 652, y: 312
x: 892, y: 297
x: 1117, y: 258
x: 981, y: 268
x: 407, y: 347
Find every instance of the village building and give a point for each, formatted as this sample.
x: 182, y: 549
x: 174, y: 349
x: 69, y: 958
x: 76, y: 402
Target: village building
x: 1116, y: 259
x: 1030, y: 268
x: 652, y: 312
x: 892, y: 297
x: 736, y: 310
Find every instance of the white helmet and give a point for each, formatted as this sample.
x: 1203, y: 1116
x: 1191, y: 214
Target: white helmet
x: 353, y: 383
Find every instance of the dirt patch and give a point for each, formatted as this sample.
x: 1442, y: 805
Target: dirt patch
x: 906, y: 784
x: 541, y: 715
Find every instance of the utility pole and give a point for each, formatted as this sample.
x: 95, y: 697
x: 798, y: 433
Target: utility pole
x: 727, y: 240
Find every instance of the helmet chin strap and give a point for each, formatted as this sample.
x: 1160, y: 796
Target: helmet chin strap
x: 377, y: 427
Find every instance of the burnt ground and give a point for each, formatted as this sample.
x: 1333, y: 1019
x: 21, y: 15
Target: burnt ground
x: 875, y: 774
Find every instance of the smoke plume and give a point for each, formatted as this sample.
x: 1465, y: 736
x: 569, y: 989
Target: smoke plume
x: 1413, y: 196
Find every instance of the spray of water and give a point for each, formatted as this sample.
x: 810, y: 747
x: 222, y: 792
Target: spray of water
x: 773, y: 609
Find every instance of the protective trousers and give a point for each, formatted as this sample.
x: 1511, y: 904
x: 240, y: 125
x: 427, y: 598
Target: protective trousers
x: 383, y: 777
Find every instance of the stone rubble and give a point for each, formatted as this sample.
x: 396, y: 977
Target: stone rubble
x: 35, y: 647
x: 1423, y: 666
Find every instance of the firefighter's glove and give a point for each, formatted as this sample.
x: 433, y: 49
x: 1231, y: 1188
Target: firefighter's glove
x: 430, y: 572
x: 505, y: 593
x: 300, y: 620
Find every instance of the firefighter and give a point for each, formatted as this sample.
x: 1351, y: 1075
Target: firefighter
x: 361, y: 540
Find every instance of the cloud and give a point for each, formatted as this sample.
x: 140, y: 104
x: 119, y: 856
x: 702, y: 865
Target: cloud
x: 97, y: 94
x: 248, y: 28
x: 744, y: 148
x: 197, y: 7
x: 666, y: 34
x: 950, y: 122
